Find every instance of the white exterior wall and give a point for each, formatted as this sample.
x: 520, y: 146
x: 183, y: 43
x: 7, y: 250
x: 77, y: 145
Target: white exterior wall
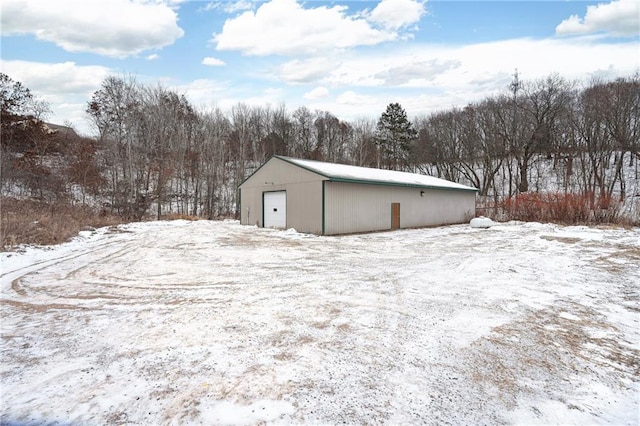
x: 361, y: 207
x: 304, y: 195
x: 356, y: 208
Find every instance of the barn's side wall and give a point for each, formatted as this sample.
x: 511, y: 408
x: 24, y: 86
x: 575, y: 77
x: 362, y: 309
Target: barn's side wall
x: 362, y: 207
x: 440, y: 207
x: 304, y: 195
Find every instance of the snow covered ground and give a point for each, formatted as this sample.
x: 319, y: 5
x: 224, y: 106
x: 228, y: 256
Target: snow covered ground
x: 216, y: 323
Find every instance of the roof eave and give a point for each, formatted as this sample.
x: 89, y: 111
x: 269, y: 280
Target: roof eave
x: 400, y: 184
x: 309, y: 169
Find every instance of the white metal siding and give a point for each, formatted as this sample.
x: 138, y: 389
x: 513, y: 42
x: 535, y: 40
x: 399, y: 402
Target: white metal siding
x: 275, y: 209
x: 304, y: 195
x: 439, y: 207
x: 304, y: 207
x: 356, y: 208
x: 360, y: 208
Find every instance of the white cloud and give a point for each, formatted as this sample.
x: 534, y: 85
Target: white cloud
x: 350, y: 97
x: 58, y: 79
x: 571, y: 58
x: 335, y: 70
x: 66, y: 86
x: 273, y: 91
x: 153, y: 57
x: 318, y: 92
x: 284, y: 27
x: 229, y: 6
x: 116, y: 28
x: 429, y: 77
x: 423, y: 78
x: 306, y: 70
x: 467, y: 68
x: 395, y: 14
x: 618, y: 18
x: 237, y: 6
x: 214, y: 62
x: 203, y: 91
x: 416, y: 71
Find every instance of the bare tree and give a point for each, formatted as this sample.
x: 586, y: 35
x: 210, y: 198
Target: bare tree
x: 156, y: 148
x: 114, y: 111
x: 303, y: 141
x: 484, y: 150
x: 439, y: 143
x: 620, y: 109
x: 211, y: 138
x: 541, y: 105
x: 364, y: 151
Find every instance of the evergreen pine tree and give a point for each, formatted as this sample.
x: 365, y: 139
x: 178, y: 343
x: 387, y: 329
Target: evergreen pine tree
x: 394, y: 135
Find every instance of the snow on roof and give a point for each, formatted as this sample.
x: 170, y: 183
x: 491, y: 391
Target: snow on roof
x: 356, y: 174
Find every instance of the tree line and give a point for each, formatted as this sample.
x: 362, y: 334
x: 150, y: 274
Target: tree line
x: 157, y: 154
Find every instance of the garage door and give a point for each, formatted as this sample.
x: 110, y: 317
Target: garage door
x: 275, y: 209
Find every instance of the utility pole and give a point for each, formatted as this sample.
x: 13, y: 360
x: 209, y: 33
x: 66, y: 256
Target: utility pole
x: 514, y: 86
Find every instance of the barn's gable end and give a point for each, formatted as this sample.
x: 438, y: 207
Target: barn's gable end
x: 303, y: 190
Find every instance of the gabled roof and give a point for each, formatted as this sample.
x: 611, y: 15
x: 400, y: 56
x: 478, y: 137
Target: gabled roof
x: 354, y: 174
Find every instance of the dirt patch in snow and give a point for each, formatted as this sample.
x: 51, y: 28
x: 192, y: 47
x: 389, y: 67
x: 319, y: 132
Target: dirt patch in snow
x: 216, y: 323
x: 561, y: 352
x: 568, y: 240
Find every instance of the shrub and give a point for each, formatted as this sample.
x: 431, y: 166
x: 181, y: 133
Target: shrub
x: 178, y: 216
x: 26, y: 221
x: 561, y: 207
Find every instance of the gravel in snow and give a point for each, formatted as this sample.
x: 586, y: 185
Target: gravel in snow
x: 216, y: 323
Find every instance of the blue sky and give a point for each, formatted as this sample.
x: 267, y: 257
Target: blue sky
x: 350, y: 58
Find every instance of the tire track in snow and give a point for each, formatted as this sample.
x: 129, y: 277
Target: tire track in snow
x: 12, y: 281
x: 409, y: 327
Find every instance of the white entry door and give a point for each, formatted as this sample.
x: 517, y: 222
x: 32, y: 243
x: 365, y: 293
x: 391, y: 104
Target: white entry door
x: 275, y: 209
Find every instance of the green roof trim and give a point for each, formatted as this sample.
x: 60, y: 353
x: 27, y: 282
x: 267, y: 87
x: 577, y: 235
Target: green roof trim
x: 401, y: 185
